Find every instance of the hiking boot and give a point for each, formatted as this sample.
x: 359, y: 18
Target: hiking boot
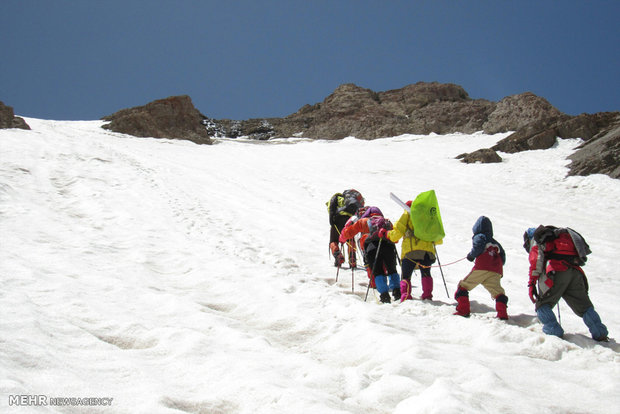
x: 550, y: 323
x: 396, y: 294
x: 385, y: 297
x: 427, y: 288
x: 501, y: 307
x: 594, y: 324
x: 405, y: 289
x: 338, y: 257
x: 462, y: 303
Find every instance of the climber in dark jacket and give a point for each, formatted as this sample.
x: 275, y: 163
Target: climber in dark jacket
x: 489, y: 258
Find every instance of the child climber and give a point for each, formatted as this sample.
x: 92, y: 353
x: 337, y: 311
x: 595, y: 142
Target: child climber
x: 340, y: 207
x: 379, y: 254
x: 489, y: 259
x: 556, y: 256
x: 414, y: 253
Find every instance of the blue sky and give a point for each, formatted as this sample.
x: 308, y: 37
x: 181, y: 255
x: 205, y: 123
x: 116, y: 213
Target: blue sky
x: 85, y: 59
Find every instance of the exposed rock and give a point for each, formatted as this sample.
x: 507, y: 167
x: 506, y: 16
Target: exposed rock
x: 600, y: 154
x: 542, y: 134
x: 586, y: 126
x: 420, y: 108
x: 484, y: 156
x: 258, y: 128
x: 515, y: 112
x: 449, y: 117
x: 349, y: 111
x: 173, y: 117
x: 9, y: 120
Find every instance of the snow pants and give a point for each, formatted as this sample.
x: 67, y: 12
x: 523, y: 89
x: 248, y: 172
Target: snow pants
x: 385, y: 257
x: 424, y: 265
x: 490, y: 281
x: 569, y: 285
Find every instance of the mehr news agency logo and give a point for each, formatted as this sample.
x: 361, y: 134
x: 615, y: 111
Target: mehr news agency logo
x: 44, y: 400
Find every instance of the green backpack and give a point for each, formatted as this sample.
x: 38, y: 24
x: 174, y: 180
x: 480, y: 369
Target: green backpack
x: 426, y: 218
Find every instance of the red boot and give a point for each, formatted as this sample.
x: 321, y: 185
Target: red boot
x: 501, y: 306
x: 462, y: 299
x: 338, y: 257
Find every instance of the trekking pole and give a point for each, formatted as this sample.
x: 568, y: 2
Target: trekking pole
x: 441, y: 270
x: 374, y: 265
x: 367, y: 290
x: 351, y: 247
x: 559, y: 315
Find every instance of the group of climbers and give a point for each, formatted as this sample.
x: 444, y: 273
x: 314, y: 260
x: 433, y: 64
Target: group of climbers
x: 555, y: 256
x: 379, y: 253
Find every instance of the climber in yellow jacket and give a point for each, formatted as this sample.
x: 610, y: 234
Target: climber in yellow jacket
x: 415, y: 253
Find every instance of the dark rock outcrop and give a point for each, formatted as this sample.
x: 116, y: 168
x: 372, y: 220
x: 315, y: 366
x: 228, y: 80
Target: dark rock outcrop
x: 174, y: 117
x: 537, y: 134
x: 601, y: 153
x: 259, y: 129
x: 541, y: 134
x: 9, y: 120
x: 485, y: 156
x: 517, y: 111
x: 420, y: 108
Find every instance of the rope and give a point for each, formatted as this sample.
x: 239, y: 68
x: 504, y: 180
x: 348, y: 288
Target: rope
x: 414, y: 261
x: 443, y: 265
x: 347, y: 242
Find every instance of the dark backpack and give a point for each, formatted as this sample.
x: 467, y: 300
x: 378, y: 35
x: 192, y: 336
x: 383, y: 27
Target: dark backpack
x: 346, y: 203
x: 545, y: 234
x: 353, y: 201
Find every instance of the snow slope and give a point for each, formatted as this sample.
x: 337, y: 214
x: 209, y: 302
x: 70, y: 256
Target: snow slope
x: 177, y: 278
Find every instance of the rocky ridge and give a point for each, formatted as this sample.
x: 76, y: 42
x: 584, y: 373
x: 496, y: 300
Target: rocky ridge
x: 174, y: 118
x: 420, y: 108
x: 9, y: 120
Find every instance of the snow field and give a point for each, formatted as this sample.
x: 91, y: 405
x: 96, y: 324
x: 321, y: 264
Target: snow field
x: 181, y: 278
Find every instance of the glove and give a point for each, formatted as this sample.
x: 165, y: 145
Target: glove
x: 383, y: 233
x: 388, y: 224
x: 342, y: 239
x: 532, y: 288
x: 470, y: 258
